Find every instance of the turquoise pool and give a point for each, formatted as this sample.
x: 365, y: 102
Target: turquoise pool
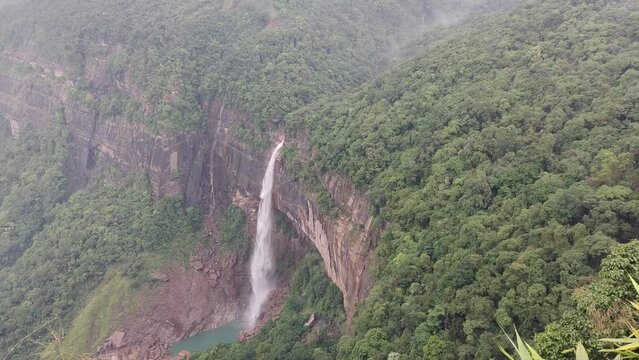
x: 203, y: 341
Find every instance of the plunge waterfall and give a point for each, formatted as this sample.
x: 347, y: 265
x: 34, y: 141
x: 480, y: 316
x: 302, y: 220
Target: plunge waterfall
x: 262, y: 257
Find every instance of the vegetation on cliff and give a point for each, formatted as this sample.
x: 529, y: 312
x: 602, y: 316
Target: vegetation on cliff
x: 112, y: 222
x: 264, y: 57
x: 31, y: 184
x: 506, y: 159
x: 311, y: 293
x: 504, y: 155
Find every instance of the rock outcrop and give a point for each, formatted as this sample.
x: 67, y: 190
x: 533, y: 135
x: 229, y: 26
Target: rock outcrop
x: 214, y: 168
x: 114, y: 342
x: 159, y: 276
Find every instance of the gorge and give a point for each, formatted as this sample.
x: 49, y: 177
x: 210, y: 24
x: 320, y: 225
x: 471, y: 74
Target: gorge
x: 439, y: 187
x: 214, y: 167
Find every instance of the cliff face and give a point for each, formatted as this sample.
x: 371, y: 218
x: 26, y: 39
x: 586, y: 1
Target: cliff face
x: 214, y: 168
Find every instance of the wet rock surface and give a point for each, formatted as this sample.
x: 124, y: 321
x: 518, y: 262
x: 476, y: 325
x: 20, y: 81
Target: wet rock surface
x: 215, y: 170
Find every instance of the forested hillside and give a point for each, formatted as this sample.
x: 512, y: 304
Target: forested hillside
x: 31, y: 184
x: 506, y: 160
x: 112, y: 222
x: 264, y: 57
x: 54, y: 251
x: 501, y: 155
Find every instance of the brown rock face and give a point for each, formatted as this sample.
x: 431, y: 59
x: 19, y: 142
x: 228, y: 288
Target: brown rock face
x: 197, y: 265
x: 114, y: 342
x: 215, y: 169
x: 159, y: 276
x: 182, y: 306
x: 345, y: 242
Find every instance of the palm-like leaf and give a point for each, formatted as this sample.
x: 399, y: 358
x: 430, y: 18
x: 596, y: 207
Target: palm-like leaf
x: 626, y: 347
x: 522, y: 349
x: 580, y: 352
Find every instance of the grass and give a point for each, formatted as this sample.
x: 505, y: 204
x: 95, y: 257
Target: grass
x: 93, y: 324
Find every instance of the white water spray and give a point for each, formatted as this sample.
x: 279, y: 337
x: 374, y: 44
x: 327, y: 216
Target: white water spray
x: 262, y: 258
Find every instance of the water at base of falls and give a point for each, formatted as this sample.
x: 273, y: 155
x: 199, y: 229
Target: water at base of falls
x: 205, y: 340
x: 262, y: 258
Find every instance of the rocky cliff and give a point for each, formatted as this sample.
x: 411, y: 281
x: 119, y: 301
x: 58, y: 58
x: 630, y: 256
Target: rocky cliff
x: 213, y: 168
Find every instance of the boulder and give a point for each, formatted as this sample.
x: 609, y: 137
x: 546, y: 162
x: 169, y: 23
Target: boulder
x: 159, y: 276
x: 311, y: 321
x: 114, y: 342
x: 183, y: 355
x: 197, y: 265
x: 117, y: 339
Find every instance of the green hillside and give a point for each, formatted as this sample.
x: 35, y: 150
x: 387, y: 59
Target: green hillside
x: 505, y: 158
x: 502, y: 154
x: 54, y: 251
x: 264, y: 57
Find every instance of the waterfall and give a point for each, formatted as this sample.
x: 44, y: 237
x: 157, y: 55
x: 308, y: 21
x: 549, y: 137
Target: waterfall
x: 262, y: 259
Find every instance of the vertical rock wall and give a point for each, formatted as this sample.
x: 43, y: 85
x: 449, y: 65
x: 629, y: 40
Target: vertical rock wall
x: 212, y: 166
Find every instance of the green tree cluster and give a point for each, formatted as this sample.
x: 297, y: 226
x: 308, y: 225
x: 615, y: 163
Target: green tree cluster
x: 32, y: 183
x: 601, y: 309
x: 263, y: 57
x: 505, y: 158
x: 114, y: 221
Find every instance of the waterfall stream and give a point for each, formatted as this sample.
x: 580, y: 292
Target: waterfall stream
x: 262, y: 258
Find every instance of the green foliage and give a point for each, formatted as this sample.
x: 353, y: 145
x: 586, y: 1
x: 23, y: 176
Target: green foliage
x: 373, y: 345
x: 600, y: 309
x: 112, y: 299
x: 504, y: 156
x: 286, y: 337
x: 175, y: 174
x: 626, y: 346
x: 31, y: 184
x: 573, y: 327
x: 309, y: 176
x: 257, y: 140
x: 437, y: 348
x: 111, y: 222
x: 265, y: 58
x: 523, y: 350
x: 233, y: 234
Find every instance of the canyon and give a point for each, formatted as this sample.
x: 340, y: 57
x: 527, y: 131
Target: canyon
x: 211, y: 168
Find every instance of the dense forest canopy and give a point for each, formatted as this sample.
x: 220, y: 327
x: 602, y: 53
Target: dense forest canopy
x: 54, y: 251
x: 502, y: 153
x: 264, y: 57
x: 506, y: 159
x: 31, y: 185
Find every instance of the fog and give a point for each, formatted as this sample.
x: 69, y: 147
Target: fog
x: 4, y: 3
x: 436, y: 15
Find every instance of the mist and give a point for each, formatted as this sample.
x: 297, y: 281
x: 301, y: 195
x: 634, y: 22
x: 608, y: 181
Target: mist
x: 4, y: 3
x: 438, y: 15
